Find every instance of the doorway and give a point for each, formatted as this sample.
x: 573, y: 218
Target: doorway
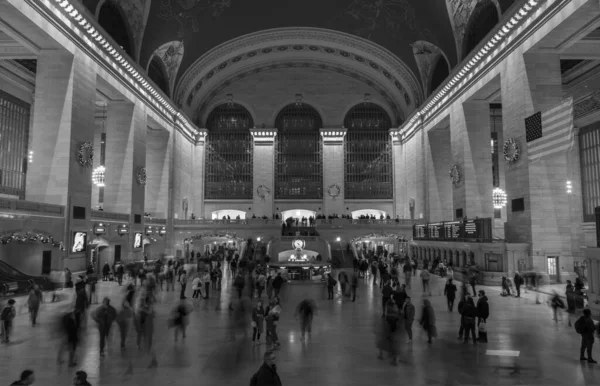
x: 553, y: 268
x: 117, y: 254
x: 46, y: 262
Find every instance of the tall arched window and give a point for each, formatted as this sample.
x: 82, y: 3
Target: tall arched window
x: 14, y: 141
x: 298, y: 157
x: 111, y: 19
x: 229, y: 150
x: 483, y: 19
x: 156, y: 72
x: 368, y: 155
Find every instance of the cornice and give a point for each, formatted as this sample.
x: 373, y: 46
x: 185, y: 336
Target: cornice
x: 74, y: 21
x: 322, y: 38
x: 509, y: 34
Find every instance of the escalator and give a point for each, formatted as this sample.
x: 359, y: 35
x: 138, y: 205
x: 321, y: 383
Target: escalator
x: 15, y: 281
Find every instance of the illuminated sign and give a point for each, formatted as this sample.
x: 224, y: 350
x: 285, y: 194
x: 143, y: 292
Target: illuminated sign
x: 149, y: 230
x: 100, y: 229
x: 123, y: 229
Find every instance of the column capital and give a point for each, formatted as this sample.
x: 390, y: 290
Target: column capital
x: 263, y: 136
x: 396, y: 136
x: 201, y: 135
x: 333, y: 136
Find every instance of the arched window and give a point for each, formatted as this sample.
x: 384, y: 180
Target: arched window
x: 156, y: 72
x: 229, y: 151
x: 368, y: 155
x: 111, y: 19
x: 298, y: 157
x: 439, y: 74
x: 481, y: 22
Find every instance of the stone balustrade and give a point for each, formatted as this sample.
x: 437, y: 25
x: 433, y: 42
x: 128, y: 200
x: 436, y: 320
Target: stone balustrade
x: 8, y: 205
x: 109, y: 216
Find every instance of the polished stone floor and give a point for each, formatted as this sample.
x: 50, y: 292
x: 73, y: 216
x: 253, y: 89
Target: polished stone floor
x: 341, y: 350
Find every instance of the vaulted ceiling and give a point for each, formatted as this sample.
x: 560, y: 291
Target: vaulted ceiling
x: 410, y: 34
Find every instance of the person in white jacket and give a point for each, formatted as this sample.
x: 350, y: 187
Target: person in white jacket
x: 195, y: 286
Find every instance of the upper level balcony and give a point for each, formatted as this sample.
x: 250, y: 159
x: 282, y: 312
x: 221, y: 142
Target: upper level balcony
x: 276, y: 223
x: 16, y: 207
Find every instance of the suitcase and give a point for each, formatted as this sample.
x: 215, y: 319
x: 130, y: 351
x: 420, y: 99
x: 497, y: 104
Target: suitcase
x: 483, y: 337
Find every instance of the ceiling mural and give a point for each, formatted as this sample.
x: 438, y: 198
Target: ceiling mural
x: 171, y: 54
x: 205, y: 24
x: 426, y: 55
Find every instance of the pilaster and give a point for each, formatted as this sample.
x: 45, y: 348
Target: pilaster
x: 399, y: 169
x: 198, y: 174
x: 264, y: 172
x: 333, y: 170
x: 159, y: 155
x: 439, y: 153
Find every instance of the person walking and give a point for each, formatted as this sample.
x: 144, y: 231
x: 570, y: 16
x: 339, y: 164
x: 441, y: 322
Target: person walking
x: 183, y: 281
x: 586, y: 328
x: 305, y: 311
x: 277, y: 283
x: 27, y: 378
x: 483, y: 308
x: 205, y: 280
x: 354, y: 285
x: 473, y: 282
x: 269, y: 285
x: 258, y: 322
x: 239, y: 284
x: 331, y: 283
x: 425, y: 276
x: 105, y: 272
x: 196, y: 287
x: 428, y: 320
x: 408, y: 314
x: 80, y: 379
x: 179, y: 319
x: 120, y: 272
x: 557, y: 305
x: 386, y: 294
x: 570, y: 295
x: 518, y: 280
x: 343, y: 279
x: 125, y: 315
x: 450, y: 292
x: 407, y: 269
x: 469, y: 314
x: 261, y: 281
x: 34, y: 299
x: 104, y: 316
x: 7, y: 317
x: 70, y: 328
x: 267, y: 373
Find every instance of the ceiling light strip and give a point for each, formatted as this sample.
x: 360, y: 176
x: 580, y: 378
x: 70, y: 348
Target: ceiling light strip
x: 474, y: 66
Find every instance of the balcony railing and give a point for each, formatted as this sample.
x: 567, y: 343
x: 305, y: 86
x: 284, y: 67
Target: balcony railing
x: 227, y: 222
x: 155, y: 221
x: 107, y: 216
x: 348, y: 221
x: 36, y: 208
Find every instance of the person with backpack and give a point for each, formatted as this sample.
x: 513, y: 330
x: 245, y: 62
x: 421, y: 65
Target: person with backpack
x: 585, y: 327
x: 354, y: 286
x: 267, y: 373
x: 450, y: 292
x: 239, y: 283
x: 469, y: 313
x: 7, y: 317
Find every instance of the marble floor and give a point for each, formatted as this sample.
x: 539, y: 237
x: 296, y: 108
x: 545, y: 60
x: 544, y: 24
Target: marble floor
x: 341, y: 350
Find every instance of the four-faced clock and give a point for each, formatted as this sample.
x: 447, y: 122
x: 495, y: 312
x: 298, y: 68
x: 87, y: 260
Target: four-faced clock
x: 298, y: 244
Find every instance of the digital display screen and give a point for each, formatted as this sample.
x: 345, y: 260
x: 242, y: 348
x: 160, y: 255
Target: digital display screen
x: 79, y: 242
x: 137, y: 240
x: 436, y: 231
x: 420, y: 232
x: 452, y: 230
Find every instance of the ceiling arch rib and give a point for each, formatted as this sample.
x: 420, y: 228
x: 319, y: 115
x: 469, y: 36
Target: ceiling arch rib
x: 205, y: 101
x: 318, y: 45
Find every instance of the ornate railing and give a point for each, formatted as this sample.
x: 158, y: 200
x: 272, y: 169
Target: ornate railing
x: 155, y: 221
x: 102, y: 215
x: 8, y: 205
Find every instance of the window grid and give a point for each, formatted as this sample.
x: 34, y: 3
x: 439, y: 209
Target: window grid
x: 496, y: 127
x: 14, y: 142
x: 298, y: 154
x: 589, y: 151
x: 368, y: 154
x: 229, y: 153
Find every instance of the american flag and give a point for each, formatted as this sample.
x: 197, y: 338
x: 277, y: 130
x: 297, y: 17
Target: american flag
x: 550, y: 132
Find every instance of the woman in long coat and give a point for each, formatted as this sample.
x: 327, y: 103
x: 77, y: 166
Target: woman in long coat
x: 258, y: 322
x: 428, y: 320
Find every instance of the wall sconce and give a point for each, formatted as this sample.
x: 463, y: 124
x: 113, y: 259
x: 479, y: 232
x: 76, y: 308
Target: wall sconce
x: 298, y: 99
x: 569, y: 187
x: 229, y: 99
x: 31, y: 157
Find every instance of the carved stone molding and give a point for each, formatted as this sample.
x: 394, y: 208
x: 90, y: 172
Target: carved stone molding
x: 426, y: 56
x: 338, y: 46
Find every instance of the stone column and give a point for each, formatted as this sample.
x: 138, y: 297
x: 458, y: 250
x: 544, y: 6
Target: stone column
x: 439, y: 184
x: 99, y: 128
x: 159, y: 154
x: 471, y: 151
x: 198, y: 171
x: 263, y: 187
x: 333, y: 170
x: 125, y: 157
x: 400, y: 200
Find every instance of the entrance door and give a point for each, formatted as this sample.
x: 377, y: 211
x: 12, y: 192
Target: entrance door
x: 46, y: 262
x: 117, y: 254
x: 553, y: 268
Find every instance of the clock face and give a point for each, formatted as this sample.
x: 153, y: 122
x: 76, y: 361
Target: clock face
x: 298, y: 244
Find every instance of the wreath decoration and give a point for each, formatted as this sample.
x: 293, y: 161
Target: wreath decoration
x: 141, y: 176
x: 511, y: 150
x: 334, y: 191
x: 85, y: 155
x: 263, y: 192
x: 455, y: 174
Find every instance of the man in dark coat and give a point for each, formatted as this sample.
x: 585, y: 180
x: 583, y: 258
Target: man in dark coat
x: 277, y: 283
x: 483, y: 308
x: 450, y: 292
x: 267, y: 373
x: 585, y: 327
x: 104, y: 316
x: 518, y: 279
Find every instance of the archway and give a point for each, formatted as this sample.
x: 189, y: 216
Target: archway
x: 297, y: 214
x: 229, y: 214
x: 484, y: 18
x: 368, y: 213
x: 113, y: 21
x: 158, y: 74
x: 439, y: 74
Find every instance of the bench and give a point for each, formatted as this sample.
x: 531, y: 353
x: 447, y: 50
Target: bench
x: 10, y: 287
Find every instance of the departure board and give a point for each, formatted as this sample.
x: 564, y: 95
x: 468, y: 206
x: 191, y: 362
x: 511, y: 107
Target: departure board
x: 436, y: 231
x: 420, y: 232
x: 453, y: 230
x: 470, y: 229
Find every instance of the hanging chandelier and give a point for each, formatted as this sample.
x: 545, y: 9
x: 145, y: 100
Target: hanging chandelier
x: 98, y: 176
x: 499, y: 198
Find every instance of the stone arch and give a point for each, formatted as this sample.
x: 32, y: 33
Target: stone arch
x: 202, y: 121
x: 158, y: 74
x: 482, y: 20
x: 222, y: 110
x: 288, y: 103
x: 439, y: 73
x: 169, y: 55
x: 112, y: 18
x: 393, y: 120
x: 428, y: 55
